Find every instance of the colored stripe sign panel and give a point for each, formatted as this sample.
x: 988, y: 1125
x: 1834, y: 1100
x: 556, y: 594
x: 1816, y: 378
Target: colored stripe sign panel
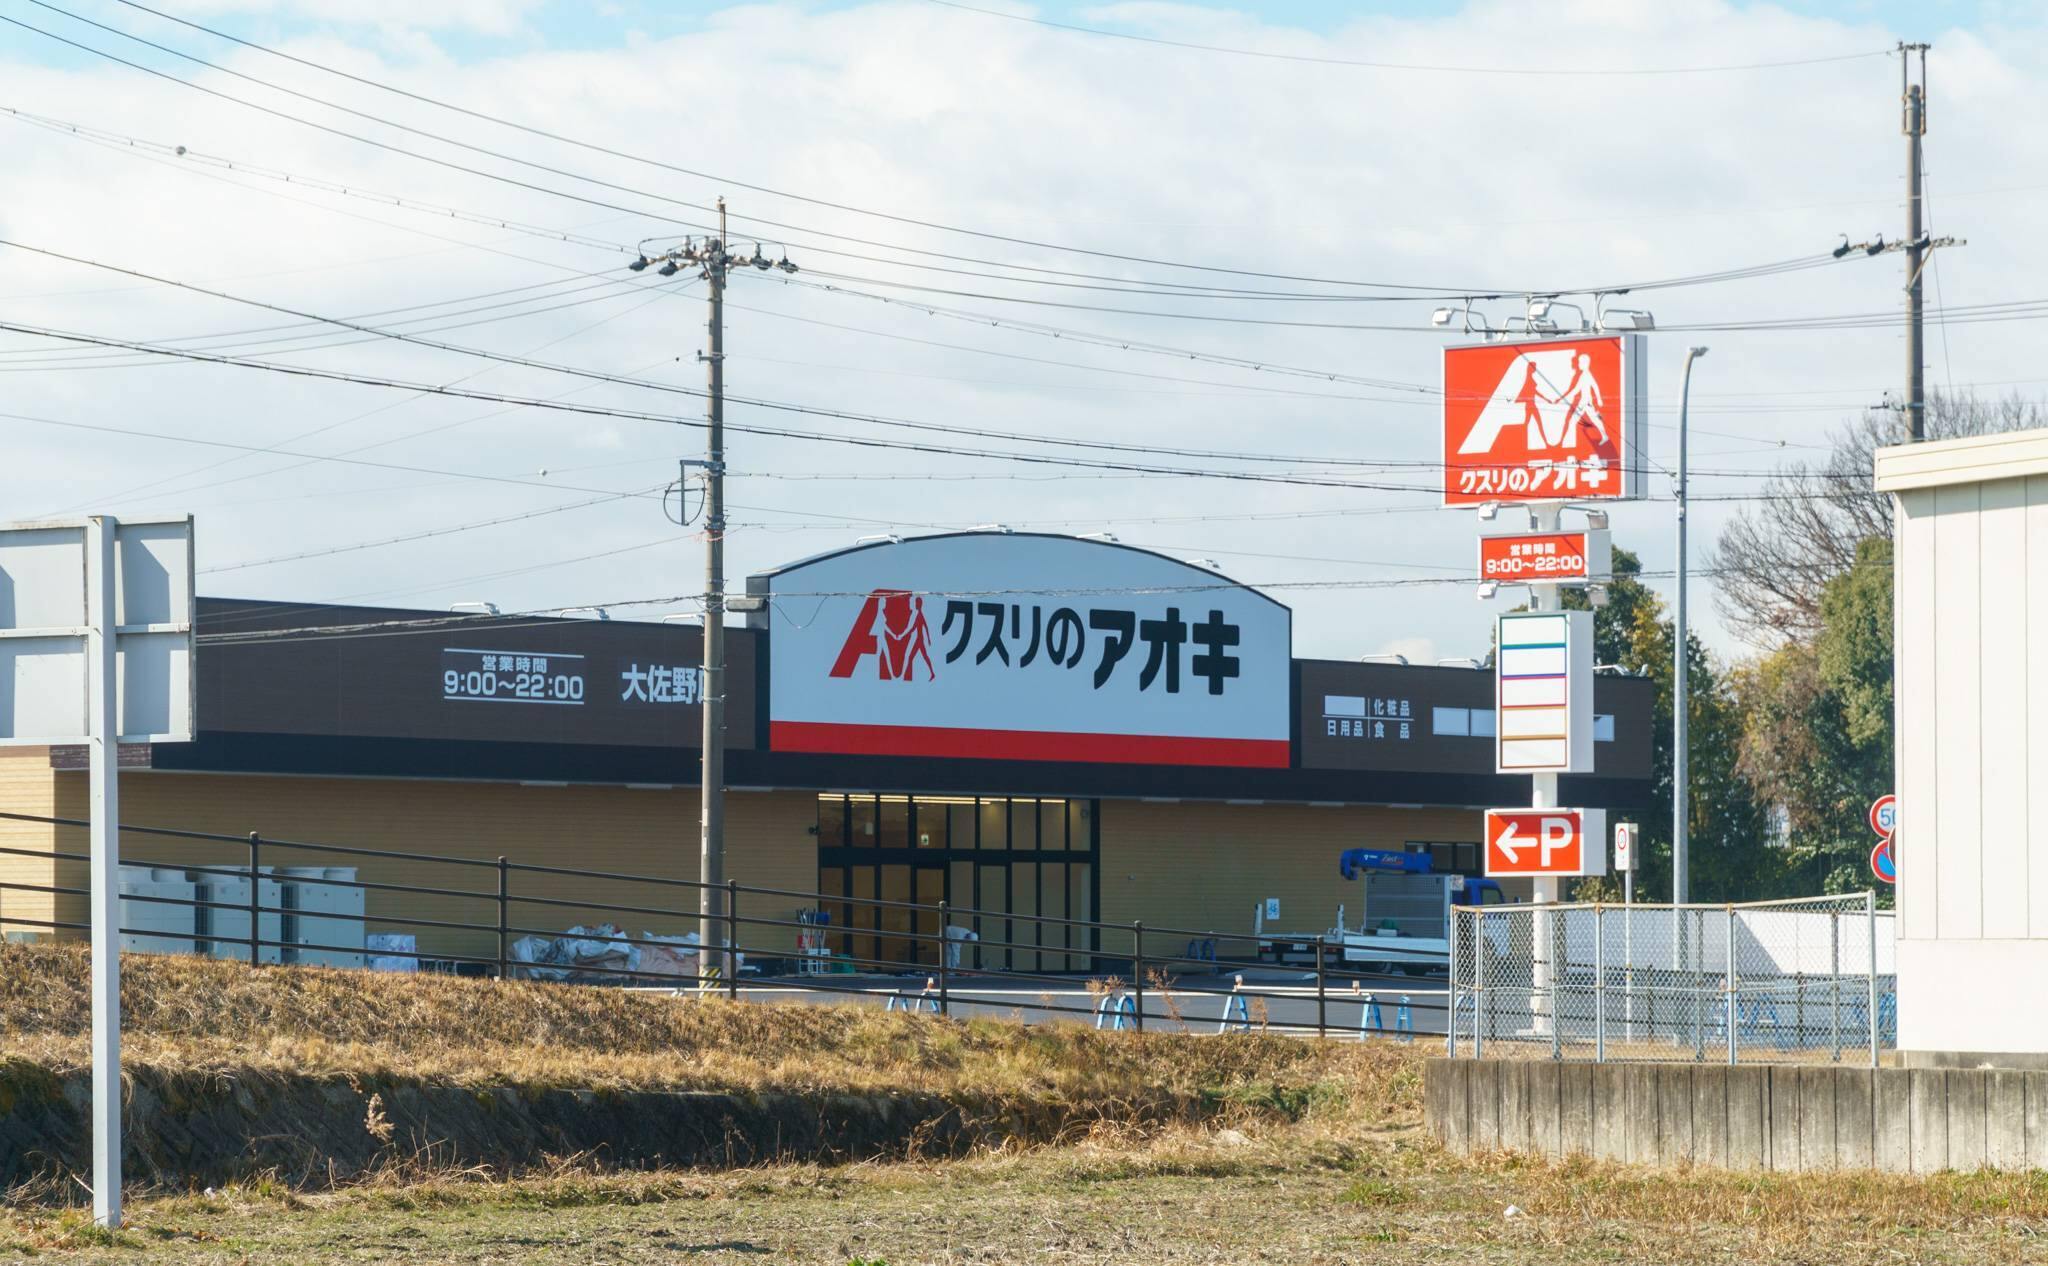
x: 1546, y: 842
x: 1543, y: 683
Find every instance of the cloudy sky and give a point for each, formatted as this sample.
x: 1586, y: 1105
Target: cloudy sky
x: 858, y: 139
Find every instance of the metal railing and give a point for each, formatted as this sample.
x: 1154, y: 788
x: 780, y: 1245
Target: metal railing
x: 1118, y: 976
x: 1774, y: 981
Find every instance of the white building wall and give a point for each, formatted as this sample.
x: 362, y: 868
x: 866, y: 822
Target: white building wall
x: 1971, y: 626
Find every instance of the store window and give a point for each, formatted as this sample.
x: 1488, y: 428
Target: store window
x: 1461, y: 722
x: 1451, y: 858
x: 1010, y: 870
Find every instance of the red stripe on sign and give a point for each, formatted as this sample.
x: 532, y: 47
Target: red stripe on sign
x: 1115, y: 749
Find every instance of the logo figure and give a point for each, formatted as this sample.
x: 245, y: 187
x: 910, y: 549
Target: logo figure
x: 1582, y: 400
x: 1552, y: 418
x: 891, y: 626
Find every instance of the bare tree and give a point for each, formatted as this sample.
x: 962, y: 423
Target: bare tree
x: 1776, y: 556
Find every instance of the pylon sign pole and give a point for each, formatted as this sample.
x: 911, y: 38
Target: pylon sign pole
x: 96, y: 648
x: 103, y: 745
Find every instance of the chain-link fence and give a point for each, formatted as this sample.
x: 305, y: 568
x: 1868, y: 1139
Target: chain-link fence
x: 1775, y: 981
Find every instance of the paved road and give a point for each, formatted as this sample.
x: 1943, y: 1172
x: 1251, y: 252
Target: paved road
x: 1286, y: 1000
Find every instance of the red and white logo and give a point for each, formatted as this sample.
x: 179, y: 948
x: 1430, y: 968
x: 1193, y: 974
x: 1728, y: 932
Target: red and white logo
x: 1546, y: 842
x: 891, y: 627
x: 1001, y: 646
x: 1553, y: 420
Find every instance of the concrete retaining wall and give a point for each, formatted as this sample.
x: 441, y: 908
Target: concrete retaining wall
x: 1902, y: 1120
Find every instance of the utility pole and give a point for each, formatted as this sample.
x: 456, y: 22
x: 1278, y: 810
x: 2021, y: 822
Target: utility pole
x: 1914, y: 101
x: 716, y: 260
x: 711, y: 691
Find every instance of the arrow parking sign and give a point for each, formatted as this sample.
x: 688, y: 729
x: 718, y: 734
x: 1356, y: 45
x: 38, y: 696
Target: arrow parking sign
x: 1546, y: 842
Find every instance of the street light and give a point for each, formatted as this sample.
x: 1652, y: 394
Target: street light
x: 1679, y: 773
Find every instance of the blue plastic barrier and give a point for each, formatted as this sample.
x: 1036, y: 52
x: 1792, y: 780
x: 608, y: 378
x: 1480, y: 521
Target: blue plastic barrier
x: 1369, y: 1018
x: 1116, y: 1012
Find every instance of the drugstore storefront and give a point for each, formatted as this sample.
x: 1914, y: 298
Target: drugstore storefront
x: 1013, y: 724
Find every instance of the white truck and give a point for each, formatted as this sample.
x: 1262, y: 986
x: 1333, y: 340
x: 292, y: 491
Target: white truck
x: 1404, y: 917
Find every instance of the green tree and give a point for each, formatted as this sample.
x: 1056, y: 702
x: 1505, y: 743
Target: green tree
x: 1817, y: 733
x: 1730, y: 854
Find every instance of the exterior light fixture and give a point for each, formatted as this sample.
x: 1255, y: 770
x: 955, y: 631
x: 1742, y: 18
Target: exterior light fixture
x: 879, y: 538
x: 639, y: 265
x: 1487, y: 589
x: 668, y: 268
x: 1394, y: 657
x: 1488, y: 510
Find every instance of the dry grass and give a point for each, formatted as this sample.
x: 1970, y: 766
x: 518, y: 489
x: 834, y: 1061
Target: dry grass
x: 200, y: 1015
x: 1307, y: 1192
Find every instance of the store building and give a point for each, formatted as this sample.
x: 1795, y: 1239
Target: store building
x: 1012, y: 723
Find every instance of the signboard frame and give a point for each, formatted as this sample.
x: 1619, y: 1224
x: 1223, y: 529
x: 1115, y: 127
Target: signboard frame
x: 101, y: 623
x: 1627, y: 836
x: 1592, y: 547
x: 1026, y: 646
x: 1542, y: 684
x: 1592, y: 843
x: 1548, y: 480
x: 47, y: 658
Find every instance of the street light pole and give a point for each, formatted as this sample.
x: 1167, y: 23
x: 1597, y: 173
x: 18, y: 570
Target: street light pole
x: 1679, y: 773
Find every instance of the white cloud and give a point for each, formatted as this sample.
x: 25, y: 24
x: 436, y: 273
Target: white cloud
x: 944, y: 116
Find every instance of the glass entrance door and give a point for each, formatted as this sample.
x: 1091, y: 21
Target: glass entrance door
x: 885, y: 863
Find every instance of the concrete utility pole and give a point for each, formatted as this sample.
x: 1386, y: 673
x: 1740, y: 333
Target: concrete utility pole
x: 711, y: 842
x: 716, y: 261
x: 1914, y: 100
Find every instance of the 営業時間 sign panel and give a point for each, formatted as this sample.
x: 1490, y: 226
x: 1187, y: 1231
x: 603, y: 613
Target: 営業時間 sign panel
x: 1003, y: 646
x: 274, y: 668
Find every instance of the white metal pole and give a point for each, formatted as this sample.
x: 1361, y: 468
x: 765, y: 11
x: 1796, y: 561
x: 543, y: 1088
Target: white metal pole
x: 1451, y: 994
x: 103, y: 747
x: 1870, y: 917
x: 1628, y: 946
x: 1543, y: 795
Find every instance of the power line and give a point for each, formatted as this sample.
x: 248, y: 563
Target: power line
x: 137, y: 433
x: 431, y: 623
x: 429, y: 533
x: 1311, y: 59
x: 383, y: 408
x: 599, y: 376
x: 576, y: 176
x: 1424, y: 291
